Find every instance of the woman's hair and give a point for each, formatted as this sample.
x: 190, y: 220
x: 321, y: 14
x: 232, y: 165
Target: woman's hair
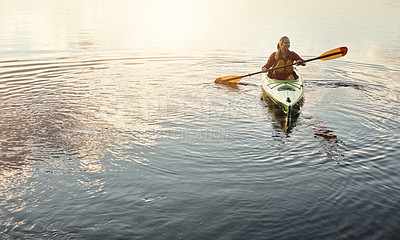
x: 279, y: 46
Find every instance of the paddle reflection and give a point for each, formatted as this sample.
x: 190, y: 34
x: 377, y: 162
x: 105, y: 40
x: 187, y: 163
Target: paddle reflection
x: 330, y: 143
x: 230, y: 86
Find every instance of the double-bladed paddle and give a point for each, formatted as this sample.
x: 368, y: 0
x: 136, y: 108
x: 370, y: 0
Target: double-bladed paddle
x: 332, y: 54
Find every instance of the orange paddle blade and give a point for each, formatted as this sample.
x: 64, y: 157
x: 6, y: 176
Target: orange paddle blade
x: 228, y: 79
x: 332, y: 54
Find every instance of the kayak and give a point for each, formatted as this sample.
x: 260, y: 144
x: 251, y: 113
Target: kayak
x: 285, y: 93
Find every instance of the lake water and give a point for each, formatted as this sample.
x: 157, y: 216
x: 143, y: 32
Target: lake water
x: 112, y: 126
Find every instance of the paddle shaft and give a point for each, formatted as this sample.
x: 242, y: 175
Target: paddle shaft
x: 287, y: 65
x: 248, y: 75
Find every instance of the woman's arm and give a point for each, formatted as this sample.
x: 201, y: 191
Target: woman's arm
x: 298, y: 59
x: 270, y: 63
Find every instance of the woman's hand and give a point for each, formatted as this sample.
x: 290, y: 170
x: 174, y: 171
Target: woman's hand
x: 264, y: 69
x: 302, y: 63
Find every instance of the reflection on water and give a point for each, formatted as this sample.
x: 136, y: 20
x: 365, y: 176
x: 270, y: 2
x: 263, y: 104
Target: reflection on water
x: 48, y: 129
x: 39, y: 114
x: 279, y: 118
x: 331, y: 144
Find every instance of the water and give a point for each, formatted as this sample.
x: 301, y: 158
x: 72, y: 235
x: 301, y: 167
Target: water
x: 112, y: 126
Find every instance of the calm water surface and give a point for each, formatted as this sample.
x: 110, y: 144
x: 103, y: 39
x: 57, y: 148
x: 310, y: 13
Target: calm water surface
x: 112, y: 127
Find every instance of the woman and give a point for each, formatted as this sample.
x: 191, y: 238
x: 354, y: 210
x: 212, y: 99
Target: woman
x: 283, y: 57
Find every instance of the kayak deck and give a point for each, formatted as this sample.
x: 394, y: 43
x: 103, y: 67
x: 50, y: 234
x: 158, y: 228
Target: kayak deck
x: 285, y: 93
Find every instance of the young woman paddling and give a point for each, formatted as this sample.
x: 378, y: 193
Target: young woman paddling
x: 283, y: 57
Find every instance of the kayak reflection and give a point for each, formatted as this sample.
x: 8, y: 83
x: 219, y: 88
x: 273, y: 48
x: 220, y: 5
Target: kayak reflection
x: 281, y: 121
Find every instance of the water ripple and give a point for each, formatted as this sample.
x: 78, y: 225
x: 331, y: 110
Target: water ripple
x: 86, y: 132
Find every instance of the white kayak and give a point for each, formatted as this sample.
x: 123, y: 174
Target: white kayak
x: 285, y: 93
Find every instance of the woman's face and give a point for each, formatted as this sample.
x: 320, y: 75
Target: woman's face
x: 286, y: 44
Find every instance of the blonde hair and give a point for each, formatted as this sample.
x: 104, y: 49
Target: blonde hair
x: 279, y: 46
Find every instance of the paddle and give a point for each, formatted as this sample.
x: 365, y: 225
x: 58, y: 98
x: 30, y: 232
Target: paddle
x: 332, y: 54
